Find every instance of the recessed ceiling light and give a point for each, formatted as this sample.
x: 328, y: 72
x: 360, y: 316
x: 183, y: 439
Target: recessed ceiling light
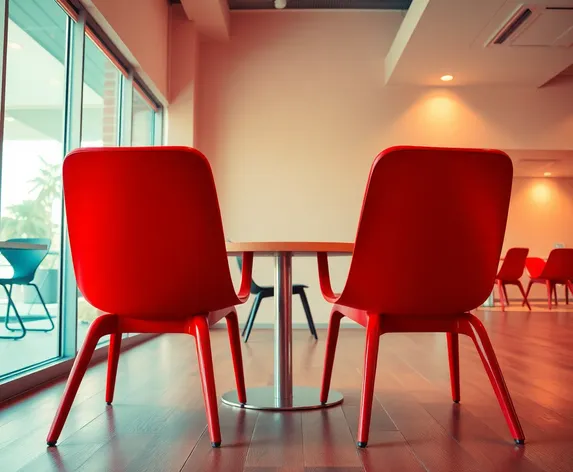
x: 547, y: 174
x: 13, y: 45
x: 446, y: 78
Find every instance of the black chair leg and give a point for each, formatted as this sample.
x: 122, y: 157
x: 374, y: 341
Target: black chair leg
x: 308, y: 314
x: 20, y: 322
x: 252, y: 315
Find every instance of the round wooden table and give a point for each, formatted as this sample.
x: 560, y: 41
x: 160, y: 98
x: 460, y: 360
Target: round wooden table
x: 283, y: 395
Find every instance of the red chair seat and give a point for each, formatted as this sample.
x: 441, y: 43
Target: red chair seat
x: 510, y: 274
x: 557, y: 271
x: 149, y: 253
x: 429, y: 215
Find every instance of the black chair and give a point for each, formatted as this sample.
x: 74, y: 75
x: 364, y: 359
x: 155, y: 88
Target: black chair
x: 24, y: 262
x: 268, y: 292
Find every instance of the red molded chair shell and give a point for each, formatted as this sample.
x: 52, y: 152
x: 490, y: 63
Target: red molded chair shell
x: 510, y: 274
x: 148, y: 250
x: 429, y: 215
x: 557, y: 270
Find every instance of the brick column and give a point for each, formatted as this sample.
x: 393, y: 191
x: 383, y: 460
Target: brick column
x: 110, y: 105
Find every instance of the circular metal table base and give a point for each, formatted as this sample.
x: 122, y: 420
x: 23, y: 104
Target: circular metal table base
x: 263, y: 398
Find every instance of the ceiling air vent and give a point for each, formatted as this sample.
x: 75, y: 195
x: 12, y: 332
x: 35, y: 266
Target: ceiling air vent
x: 512, y: 26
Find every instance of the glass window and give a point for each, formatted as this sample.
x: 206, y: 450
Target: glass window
x: 101, y: 98
x: 142, y: 121
x: 31, y: 199
x: 100, y: 127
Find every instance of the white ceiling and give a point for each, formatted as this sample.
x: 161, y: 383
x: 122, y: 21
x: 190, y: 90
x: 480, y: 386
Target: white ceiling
x: 440, y: 37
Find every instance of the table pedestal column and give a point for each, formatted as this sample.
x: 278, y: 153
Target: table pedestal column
x: 283, y: 396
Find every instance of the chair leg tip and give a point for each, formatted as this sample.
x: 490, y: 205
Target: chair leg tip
x: 456, y: 401
x: 520, y: 442
x: 215, y: 445
x: 108, y: 403
x: 362, y: 444
x: 51, y: 443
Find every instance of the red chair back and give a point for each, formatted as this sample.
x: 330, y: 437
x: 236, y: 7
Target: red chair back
x: 513, y: 264
x: 145, y: 231
x: 430, y: 232
x: 534, y: 266
x: 559, y: 265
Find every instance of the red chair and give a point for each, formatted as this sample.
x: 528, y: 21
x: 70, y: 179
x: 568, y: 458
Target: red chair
x: 510, y: 273
x: 128, y: 210
x: 428, y: 215
x: 557, y: 270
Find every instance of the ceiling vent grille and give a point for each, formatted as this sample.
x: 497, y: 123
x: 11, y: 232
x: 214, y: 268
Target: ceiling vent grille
x: 513, y: 25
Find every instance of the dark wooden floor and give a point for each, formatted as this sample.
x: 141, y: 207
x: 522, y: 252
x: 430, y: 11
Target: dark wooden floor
x: 157, y: 422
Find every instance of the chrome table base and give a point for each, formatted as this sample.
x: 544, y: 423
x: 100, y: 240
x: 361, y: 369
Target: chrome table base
x: 283, y: 396
x: 263, y: 398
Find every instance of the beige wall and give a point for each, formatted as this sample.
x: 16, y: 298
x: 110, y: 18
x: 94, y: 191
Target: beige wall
x: 292, y: 111
x: 140, y: 29
x: 183, y: 72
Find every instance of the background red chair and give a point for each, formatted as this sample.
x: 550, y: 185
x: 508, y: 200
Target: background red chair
x: 148, y: 250
x: 428, y: 215
x: 557, y: 270
x: 510, y: 273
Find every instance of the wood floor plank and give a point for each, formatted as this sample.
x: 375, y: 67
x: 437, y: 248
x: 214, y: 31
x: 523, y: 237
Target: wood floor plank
x: 237, y: 426
x: 277, y: 441
x: 157, y: 422
x: 69, y: 457
x: 389, y: 449
x: 327, y: 439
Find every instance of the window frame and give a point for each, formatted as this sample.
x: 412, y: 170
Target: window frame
x: 79, y: 25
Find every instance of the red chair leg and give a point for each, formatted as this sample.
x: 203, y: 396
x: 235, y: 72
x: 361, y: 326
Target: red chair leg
x: 570, y: 286
x: 555, y: 294
x: 501, y: 294
x: 524, y: 295
x: 112, y: 361
x: 101, y: 326
x: 236, y: 354
x: 505, y: 294
x: 566, y: 294
x: 489, y: 359
x: 549, y: 286
x: 527, y: 292
x: 454, y: 358
x: 203, y: 343
x: 331, y: 340
x: 373, y: 333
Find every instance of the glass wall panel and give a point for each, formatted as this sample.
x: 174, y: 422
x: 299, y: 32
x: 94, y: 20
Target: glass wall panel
x: 101, y: 98
x: 100, y: 127
x: 30, y: 196
x: 142, y: 121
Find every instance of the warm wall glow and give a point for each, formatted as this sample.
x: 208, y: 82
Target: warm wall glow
x: 547, y: 174
x: 446, y: 78
x: 441, y: 107
x: 540, y: 193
